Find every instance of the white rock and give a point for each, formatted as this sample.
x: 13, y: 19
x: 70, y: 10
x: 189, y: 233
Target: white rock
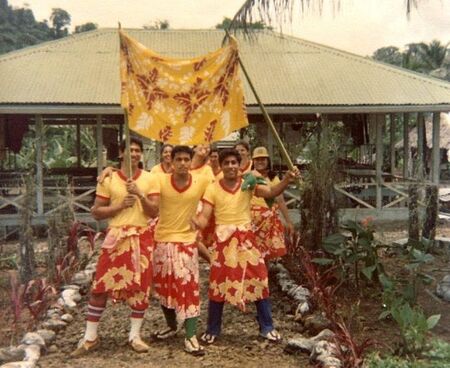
x: 54, y: 324
x: 302, y: 309
x: 70, y: 298
x: 48, y: 335
x: 308, y: 344
x: 67, y: 318
x: 71, y: 286
x: 54, y: 312
x: 22, y: 364
x: 12, y: 354
x: 32, y: 353
x: 443, y: 288
x: 33, y: 338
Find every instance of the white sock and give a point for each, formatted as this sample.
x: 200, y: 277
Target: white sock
x: 91, y: 331
x: 135, y: 329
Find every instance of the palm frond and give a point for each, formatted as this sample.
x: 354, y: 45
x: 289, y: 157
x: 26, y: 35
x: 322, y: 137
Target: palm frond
x: 281, y: 11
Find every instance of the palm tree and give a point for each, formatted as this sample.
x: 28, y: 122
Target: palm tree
x: 282, y: 10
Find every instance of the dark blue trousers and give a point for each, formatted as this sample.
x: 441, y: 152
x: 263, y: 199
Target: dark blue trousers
x: 263, y: 315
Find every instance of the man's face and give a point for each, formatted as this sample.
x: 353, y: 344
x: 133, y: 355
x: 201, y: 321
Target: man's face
x: 230, y: 167
x: 135, y: 154
x: 214, y: 158
x: 242, y: 151
x: 181, y: 163
x: 260, y: 163
x: 202, y: 150
x: 166, y: 154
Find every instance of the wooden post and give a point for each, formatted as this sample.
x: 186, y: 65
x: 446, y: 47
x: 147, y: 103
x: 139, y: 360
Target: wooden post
x: 99, y: 134
x: 405, y: 145
x: 39, y: 164
x: 436, y: 158
x: 380, y: 120
x: 392, y: 141
x: 126, y: 154
x: 420, y: 146
x: 78, y: 142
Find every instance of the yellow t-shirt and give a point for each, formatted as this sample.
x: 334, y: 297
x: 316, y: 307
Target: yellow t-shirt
x: 204, y: 170
x: 158, y: 169
x: 217, y: 175
x: 114, y: 188
x: 177, y: 206
x: 259, y: 201
x: 246, y: 169
x: 230, y: 207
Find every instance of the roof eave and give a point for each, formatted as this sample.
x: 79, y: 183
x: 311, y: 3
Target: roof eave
x: 86, y: 109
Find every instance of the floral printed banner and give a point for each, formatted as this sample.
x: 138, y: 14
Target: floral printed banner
x: 189, y: 101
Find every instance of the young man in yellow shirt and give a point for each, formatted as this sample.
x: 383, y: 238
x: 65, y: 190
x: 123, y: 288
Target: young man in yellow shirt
x: 124, y: 267
x: 238, y: 272
x: 175, y: 257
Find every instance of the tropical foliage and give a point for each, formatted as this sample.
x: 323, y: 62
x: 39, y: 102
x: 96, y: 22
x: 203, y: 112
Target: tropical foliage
x: 429, y: 58
x: 19, y: 28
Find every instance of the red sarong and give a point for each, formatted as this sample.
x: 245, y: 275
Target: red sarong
x: 124, y: 267
x: 269, y: 232
x: 175, y: 277
x: 238, y: 272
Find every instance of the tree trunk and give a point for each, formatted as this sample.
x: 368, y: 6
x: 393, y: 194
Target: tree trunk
x: 429, y: 226
x: 26, y: 251
x: 413, y: 233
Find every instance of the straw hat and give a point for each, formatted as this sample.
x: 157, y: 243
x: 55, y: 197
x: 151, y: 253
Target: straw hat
x: 260, y: 152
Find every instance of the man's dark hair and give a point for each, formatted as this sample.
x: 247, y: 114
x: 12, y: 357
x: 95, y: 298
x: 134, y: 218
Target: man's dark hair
x: 213, y: 149
x: 228, y: 152
x: 184, y: 149
x: 243, y: 143
x: 163, y: 147
x: 132, y: 140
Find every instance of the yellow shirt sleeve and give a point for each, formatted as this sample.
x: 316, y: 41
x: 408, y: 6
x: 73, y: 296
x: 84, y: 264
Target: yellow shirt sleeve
x: 209, y: 194
x: 103, y: 189
x: 155, y: 184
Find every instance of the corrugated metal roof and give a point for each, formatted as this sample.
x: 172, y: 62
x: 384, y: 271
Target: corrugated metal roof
x: 84, y: 69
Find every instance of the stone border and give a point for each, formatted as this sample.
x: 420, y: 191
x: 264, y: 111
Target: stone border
x: 27, y: 354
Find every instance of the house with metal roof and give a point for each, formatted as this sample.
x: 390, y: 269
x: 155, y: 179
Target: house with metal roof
x: 75, y: 80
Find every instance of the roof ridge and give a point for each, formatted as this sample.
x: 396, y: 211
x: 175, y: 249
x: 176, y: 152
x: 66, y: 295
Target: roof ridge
x: 364, y: 59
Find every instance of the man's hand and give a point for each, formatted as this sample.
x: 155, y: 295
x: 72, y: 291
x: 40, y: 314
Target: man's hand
x: 129, y: 201
x: 106, y: 173
x: 293, y: 174
x: 133, y: 189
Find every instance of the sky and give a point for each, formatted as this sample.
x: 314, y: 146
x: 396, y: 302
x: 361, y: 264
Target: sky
x: 359, y: 26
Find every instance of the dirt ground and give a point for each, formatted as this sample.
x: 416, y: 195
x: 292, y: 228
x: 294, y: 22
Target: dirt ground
x: 239, y: 345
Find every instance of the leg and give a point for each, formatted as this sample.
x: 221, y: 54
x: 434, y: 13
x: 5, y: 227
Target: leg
x: 171, y: 320
x: 137, y: 312
x: 90, y: 341
x: 215, y: 311
x: 264, y: 317
x: 191, y: 344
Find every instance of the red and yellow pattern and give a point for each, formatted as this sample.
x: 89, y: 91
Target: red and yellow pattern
x: 124, y: 268
x: 238, y: 272
x: 190, y: 101
x: 176, y: 277
x: 269, y: 231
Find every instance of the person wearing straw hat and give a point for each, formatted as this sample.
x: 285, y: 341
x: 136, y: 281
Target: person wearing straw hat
x: 124, y: 267
x: 238, y: 272
x: 267, y: 226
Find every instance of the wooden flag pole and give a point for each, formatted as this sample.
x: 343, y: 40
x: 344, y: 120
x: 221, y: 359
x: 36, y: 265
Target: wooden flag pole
x: 266, y: 116
x: 126, y: 153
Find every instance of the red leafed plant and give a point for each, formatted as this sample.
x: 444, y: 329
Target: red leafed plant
x: 322, y: 284
x: 38, y: 296
x: 17, y: 296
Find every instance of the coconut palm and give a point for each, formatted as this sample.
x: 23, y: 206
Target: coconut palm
x: 282, y: 10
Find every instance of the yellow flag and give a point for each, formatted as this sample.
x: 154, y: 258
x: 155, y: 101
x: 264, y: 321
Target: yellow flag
x: 189, y: 101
